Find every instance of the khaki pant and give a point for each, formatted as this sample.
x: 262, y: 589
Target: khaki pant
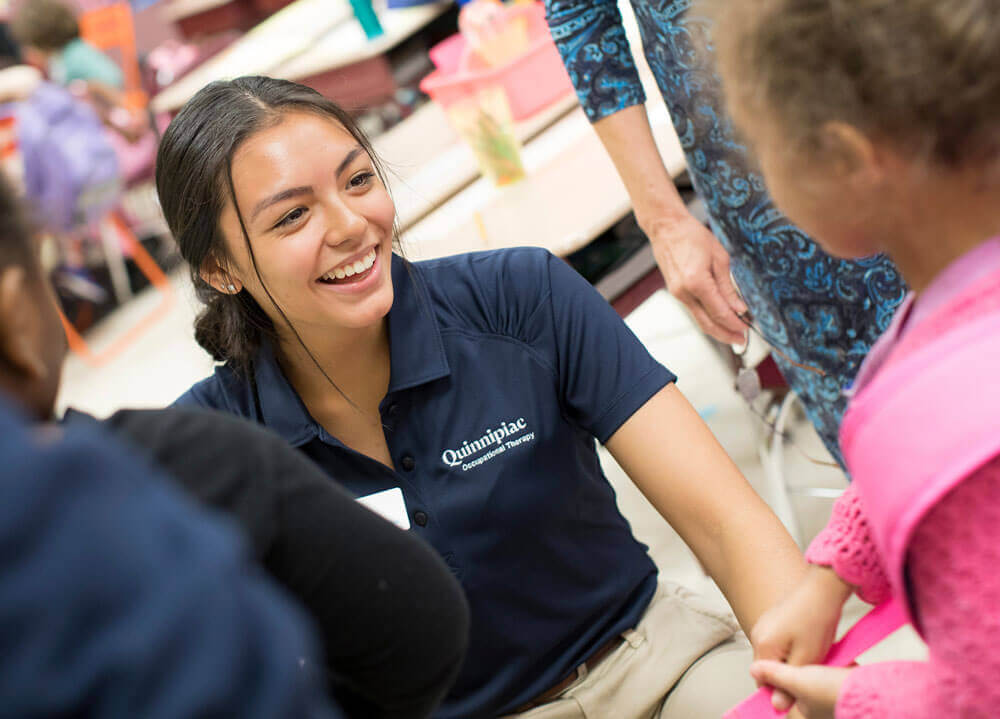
x: 683, y: 661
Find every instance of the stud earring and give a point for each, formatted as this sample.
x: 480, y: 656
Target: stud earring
x: 230, y: 288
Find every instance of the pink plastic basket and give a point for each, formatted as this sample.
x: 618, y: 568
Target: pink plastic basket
x: 532, y: 81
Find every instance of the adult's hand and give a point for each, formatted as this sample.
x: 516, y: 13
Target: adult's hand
x: 694, y: 263
x: 695, y: 267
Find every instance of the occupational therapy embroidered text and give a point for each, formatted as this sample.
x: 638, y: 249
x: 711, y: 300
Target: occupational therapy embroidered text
x: 495, y: 438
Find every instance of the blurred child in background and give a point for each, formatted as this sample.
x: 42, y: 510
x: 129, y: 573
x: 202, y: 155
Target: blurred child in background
x: 49, y: 33
x: 50, y: 37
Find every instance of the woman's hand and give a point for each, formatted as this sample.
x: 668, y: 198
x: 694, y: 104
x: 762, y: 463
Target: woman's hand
x: 693, y: 262
x: 815, y: 689
x: 801, y: 628
x: 695, y: 267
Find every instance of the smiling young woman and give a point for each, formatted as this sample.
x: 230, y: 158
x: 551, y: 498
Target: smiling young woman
x: 474, y: 387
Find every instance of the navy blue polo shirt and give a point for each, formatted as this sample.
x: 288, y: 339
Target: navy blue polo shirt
x: 505, y: 368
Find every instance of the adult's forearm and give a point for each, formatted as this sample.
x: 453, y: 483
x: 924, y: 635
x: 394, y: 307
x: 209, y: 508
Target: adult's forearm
x: 628, y: 138
x: 758, y: 564
x: 697, y: 488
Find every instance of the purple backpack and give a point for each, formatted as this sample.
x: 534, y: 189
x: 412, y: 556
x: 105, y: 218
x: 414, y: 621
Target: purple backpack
x: 71, y: 172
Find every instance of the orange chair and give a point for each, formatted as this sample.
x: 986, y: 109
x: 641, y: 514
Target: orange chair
x: 112, y: 30
x: 121, y: 233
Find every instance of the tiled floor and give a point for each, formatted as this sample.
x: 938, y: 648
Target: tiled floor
x: 165, y: 361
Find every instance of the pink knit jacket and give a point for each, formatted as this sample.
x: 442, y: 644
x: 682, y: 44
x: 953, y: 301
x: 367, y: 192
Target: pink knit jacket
x: 953, y: 572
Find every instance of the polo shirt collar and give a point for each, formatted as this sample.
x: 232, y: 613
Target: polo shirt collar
x: 416, y: 354
x: 416, y: 349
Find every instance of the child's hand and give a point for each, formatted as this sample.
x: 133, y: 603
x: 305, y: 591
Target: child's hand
x: 801, y: 629
x: 815, y: 689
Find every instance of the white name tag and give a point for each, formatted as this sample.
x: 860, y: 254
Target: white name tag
x: 390, y: 505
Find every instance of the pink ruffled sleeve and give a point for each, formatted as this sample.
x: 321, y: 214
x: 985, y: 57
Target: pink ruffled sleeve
x: 953, y: 571
x: 847, y: 546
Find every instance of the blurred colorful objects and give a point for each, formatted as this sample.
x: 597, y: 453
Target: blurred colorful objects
x: 138, y: 5
x: 71, y: 174
x: 11, y: 162
x: 501, y: 68
x: 494, y: 33
x: 532, y: 80
x: 203, y: 18
x: 485, y: 123
x: 173, y: 59
x: 111, y: 29
x: 366, y: 16
x: 87, y: 147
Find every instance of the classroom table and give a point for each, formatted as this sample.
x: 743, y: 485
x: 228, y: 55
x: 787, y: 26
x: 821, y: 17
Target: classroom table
x: 305, y: 38
x: 346, y: 44
x: 570, y: 195
x: 177, y: 10
x: 428, y: 163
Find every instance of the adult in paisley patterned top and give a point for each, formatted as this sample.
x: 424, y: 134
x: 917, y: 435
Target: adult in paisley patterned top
x: 820, y: 311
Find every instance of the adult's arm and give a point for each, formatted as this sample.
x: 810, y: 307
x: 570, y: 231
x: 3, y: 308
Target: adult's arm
x: 592, y: 42
x: 694, y: 264
x: 690, y: 480
x: 393, y: 619
x: 612, y: 387
x: 844, y: 559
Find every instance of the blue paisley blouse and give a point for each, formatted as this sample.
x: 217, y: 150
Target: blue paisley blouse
x: 820, y: 311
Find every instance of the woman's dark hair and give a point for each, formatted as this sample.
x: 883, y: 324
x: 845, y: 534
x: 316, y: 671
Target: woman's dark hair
x: 194, y: 180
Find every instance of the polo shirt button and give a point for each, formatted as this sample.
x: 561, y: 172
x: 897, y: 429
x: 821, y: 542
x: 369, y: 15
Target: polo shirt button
x: 407, y: 463
x: 420, y: 518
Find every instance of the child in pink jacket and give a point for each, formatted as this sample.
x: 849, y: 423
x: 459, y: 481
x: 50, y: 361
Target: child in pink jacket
x: 877, y: 127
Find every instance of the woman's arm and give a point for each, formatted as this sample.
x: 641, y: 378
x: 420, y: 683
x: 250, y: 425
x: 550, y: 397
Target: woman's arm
x: 593, y: 45
x: 628, y: 138
x: 844, y: 559
x: 591, y: 40
x: 694, y: 264
x: 674, y: 459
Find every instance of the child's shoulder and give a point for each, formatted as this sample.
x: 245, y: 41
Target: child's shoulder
x: 973, y: 304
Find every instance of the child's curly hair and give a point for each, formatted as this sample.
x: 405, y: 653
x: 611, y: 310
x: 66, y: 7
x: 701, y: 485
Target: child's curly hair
x: 922, y: 74
x: 48, y: 25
